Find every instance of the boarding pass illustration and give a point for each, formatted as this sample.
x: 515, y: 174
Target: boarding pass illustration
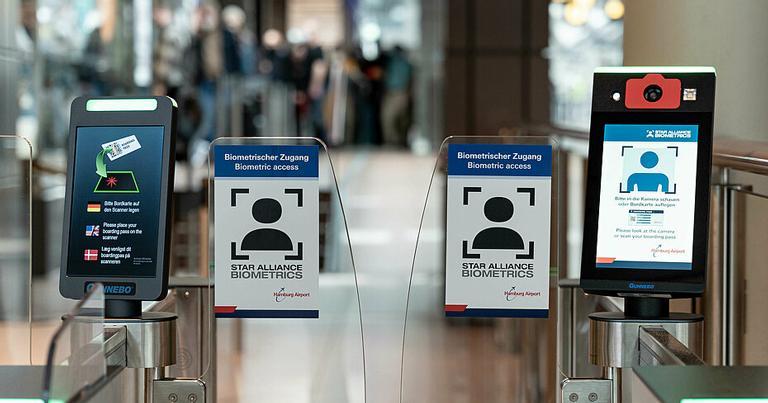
x: 121, y: 147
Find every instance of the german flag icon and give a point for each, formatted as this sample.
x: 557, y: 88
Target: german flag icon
x: 93, y: 207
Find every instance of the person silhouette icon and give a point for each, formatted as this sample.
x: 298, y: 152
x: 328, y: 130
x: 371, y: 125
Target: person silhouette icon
x: 648, y: 181
x: 498, y: 209
x: 266, y: 211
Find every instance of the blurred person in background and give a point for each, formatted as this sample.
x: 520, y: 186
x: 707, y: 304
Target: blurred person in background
x: 368, y: 105
x: 205, y: 62
x: 338, y: 106
x: 231, y: 87
x: 233, y: 19
x: 26, y: 35
x: 203, y: 66
x: 168, y: 57
x: 27, y: 28
x: 396, y: 104
x: 276, y: 64
x: 373, y: 69
x: 96, y: 71
x: 276, y: 56
x: 170, y: 75
x: 300, y: 67
x: 246, y: 39
x: 306, y: 70
x: 357, y: 87
x: 318, y: 86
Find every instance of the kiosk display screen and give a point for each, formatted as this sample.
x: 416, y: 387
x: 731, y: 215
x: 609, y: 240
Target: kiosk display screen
x: 647, y: 197
x: 116, y: 201
x: 647, y: 205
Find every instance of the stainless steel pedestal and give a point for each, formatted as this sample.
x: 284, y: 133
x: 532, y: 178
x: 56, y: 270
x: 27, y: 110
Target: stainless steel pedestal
x: 614, y: 339
x: 150, y: 340
x: 614, y: 342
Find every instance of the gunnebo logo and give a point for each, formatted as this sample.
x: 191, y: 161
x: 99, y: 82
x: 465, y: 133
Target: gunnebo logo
x: 114, y: 288
x: 636, y: 286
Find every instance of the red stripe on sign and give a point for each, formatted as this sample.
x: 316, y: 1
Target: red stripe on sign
x: 224, y: 309
x: 455, y: 308
x: 606, y: 259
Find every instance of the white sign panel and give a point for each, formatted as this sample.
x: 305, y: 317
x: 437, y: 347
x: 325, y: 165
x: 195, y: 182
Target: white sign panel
x: 266, y: 233
x: 498, y: 230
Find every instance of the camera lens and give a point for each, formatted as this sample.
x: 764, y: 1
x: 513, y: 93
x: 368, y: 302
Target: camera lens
x: 652, y: 93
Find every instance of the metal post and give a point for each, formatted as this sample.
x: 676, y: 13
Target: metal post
x: 726, y: 309
x: 566, y: 328
x: 613, y: 374
x: 713, y: 299
x: 732, y: 277
x: 614, y: 341
x: 150, y: 346
x: 190, y: 300
x: 150, y: 376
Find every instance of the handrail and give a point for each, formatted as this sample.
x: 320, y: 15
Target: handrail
x: 740, y: 154
x: 664, y: 348
x: 728, y: 152
x: 114, y: 353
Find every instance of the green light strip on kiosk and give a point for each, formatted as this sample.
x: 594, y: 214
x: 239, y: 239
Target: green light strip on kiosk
x: 725, y: 400
x: 119, y: 105
x: 653, y: 69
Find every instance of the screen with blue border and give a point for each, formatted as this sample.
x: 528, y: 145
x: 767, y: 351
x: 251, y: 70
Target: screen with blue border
x: 647, y: 196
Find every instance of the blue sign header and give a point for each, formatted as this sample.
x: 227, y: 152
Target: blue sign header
x: 652, y: 133
x: 500, y: 159
x: 267, y: 161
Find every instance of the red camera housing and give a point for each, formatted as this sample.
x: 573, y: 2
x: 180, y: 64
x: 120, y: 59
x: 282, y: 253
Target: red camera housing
x: 671, y: 92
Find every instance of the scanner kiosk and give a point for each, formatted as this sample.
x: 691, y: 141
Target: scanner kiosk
x: 117, y: 217
x: 647, y: 206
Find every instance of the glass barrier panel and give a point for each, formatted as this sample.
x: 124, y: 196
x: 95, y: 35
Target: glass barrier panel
x: 482, y: 301
x: 286, y: 294
x: 749, y: 215
x: 46, y: 303
x: 15, y: 249
x: 76, y: 362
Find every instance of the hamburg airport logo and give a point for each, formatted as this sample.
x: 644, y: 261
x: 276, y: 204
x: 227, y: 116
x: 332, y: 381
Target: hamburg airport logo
x: 282, y: 295
x: 512, y: 294
x: 660, y: 251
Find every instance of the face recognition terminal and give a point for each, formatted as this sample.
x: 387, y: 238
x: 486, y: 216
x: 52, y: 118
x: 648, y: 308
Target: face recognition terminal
x: 118, y: 198
x: 648, y: 181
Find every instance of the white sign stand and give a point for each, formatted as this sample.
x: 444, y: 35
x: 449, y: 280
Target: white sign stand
x: 266, y: 219
x: 498, y: 230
